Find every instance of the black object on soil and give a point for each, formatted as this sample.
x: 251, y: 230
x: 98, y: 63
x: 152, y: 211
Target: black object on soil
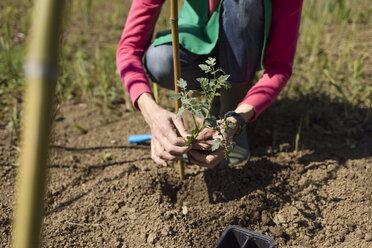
x: 238, y: 237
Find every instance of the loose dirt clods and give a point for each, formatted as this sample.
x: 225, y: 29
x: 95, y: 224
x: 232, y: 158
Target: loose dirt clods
x: 318, y: 197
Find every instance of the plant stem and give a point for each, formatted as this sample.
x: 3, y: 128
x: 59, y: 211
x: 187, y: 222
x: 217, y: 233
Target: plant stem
x: 210, y: 100
x: 195, y: 123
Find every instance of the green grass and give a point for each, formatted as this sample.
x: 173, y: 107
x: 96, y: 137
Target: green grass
x: 332, y: 73
x: 331, y: 64
x: 333, y: 52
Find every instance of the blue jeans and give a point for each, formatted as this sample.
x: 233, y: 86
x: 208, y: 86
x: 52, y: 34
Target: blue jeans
x: 238, y: 52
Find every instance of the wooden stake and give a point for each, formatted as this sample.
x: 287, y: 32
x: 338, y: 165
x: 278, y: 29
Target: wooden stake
x: 41, y: 78
x: 176, y: 66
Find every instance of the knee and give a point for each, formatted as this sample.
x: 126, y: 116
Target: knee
x: 159, y: 63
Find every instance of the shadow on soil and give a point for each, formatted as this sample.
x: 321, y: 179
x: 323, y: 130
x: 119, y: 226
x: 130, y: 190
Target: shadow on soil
x: 323, y: 126
x: 327, y: 130
x: 226, y: 183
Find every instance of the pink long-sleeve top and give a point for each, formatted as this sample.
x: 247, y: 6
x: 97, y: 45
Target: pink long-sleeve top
x: 278, y: 57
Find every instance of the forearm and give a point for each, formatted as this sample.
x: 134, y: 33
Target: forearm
x: 147, y: 105
x: 135, y: 40
x: 279, y: 56
x: 263, y: 93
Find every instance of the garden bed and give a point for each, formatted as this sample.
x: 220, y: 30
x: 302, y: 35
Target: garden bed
x: 103, y: 192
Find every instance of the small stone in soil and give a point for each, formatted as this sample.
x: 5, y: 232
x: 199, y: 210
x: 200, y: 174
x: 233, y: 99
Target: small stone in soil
x: 279, y: 219
x: 165, y: 231
x: 151, y: 238
x: 359, y: 233
x: 306, y: 238
x: 368, y: 237
x: 340, y: 238
x: 255, y: 215
x: 265, y: 218
x: 277, y: 231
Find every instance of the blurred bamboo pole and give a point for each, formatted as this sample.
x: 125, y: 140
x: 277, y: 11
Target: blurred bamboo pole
x: 41, y: 78
x: 176, y: 66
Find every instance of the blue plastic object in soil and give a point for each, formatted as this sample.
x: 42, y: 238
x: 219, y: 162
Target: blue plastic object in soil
x: 139, y: 138
x: 238, y: 237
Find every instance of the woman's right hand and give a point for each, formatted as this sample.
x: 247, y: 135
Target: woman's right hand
x: 166, y: 145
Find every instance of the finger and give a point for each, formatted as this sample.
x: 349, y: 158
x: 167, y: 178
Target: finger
x: 210, y: 166
x: 155, y: 147
x: 194, y: 157
x: 178, y: 123
x: 205, y: 145
x: 158, y: 160
x: 170, y: 134
x: 206, y: 134
x: 209, y: 160
x: 173, y: 145
x: 194, y: 161
x: 166, y: 155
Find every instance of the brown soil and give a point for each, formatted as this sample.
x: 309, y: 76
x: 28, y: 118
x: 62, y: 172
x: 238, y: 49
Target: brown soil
x: 320, y: 196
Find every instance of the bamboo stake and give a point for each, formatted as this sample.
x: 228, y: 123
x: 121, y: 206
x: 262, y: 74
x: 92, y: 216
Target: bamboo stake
x: 176, y: 66
x: 156, y: 92
x: 41, y: 77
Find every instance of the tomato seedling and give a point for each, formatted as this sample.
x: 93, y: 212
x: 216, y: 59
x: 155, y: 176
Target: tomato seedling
x: 199, y: 104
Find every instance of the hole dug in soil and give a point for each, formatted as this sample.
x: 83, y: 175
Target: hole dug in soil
x: 169, y: 189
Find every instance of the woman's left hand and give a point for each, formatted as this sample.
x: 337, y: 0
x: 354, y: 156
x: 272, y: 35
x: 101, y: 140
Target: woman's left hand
x: 201, y: 152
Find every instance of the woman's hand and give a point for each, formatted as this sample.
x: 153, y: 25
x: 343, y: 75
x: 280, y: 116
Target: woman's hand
x: 166, y: 145
x: 202, y: 154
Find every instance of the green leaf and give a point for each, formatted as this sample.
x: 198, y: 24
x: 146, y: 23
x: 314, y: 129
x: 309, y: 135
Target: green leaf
x: 211, y: 122
x: 230, y: 125
x: 177, y: 96
x: 211, y: 61
x: 203, y: 82
x: 182, y: 83
x: 198, y: 113
x: 212, y: 83
x: 227, y: 85
x: 194, y: 100
x: 80, y: 128
x: 180, y: 111
x: 216, y: 144
x: 185, y: 101
x: 205, y: 68
x: 189, y: 140
x: 106, y: 157
x: 223, y: 78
